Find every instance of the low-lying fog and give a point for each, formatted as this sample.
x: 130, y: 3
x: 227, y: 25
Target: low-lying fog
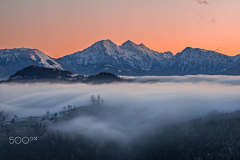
x: 234, y: 80
x: 141, y: 106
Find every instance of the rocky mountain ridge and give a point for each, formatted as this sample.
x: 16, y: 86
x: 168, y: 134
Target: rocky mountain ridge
x: 127, y: 59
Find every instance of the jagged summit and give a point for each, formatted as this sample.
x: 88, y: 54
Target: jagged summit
x: 131, y: 46
x: 190, y: 49
x: 201, y: 53
x: 106, y: 55
x: 103, y: 44
x: 128, y: 59
x: 142, y: 45
x: 129, y: 43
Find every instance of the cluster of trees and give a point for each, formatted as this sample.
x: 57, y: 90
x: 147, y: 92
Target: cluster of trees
x: 69, y: 107
x: 7, y: 116
x: 49, y: 115
x: 54, y: 115
x: 97, y: 100
x: 104, y: 77
x: 38, y: 128
x: 215, y: 136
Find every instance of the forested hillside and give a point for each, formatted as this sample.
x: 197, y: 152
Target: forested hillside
x: 214, y: 136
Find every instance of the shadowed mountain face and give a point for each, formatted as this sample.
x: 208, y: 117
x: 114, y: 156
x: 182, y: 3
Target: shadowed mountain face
x: 127, y: 59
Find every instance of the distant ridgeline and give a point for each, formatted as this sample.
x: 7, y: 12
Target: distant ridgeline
x: 42, y: 73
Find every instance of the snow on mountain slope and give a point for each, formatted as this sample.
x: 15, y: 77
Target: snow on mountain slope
x: 196, y: 60
x: 12, y: 60
x: 46, y: 60
x: 21, y: 54
x: 100, y: 52
x: 236, y: 58
x: 127, y: 59
x: 145, y: 58
x: 129, y: 55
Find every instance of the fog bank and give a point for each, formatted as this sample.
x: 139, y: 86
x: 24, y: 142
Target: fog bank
x: 137, y: 107
x: 222, y: 79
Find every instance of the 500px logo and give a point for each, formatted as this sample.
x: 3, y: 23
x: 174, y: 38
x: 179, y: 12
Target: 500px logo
x: 19, y: 140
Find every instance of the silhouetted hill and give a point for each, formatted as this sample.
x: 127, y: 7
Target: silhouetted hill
x: 35, y: 72
x: 104, y: 77
x: 42, y: 74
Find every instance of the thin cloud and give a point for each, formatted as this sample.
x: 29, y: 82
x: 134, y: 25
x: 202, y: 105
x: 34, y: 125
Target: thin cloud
x: 202, y: 2
x: 213, y: 20
x: 218, y: 49
x: 200, y: 15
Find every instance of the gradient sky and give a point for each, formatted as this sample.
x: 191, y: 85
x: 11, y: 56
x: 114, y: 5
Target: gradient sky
x: 61, y: 27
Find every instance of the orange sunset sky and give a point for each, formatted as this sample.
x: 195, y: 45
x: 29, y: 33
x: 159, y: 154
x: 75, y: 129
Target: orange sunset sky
x: 61, y: 27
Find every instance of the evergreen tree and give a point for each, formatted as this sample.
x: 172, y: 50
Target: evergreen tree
x: 98, y: 100
x: 92, y: 99
x: 12, y: 121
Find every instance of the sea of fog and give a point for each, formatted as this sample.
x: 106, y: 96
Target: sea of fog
x: 143, y: 106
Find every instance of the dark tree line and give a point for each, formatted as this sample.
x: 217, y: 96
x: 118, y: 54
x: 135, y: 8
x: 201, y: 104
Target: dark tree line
x: 97, y: 100
x: 103, y: 77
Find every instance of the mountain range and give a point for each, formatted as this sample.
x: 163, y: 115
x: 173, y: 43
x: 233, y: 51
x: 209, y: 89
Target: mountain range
x: 127, y: 59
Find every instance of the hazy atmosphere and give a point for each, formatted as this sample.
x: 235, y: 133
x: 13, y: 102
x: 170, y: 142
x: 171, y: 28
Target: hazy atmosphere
x: 119, y: 80
x: 137, y: 107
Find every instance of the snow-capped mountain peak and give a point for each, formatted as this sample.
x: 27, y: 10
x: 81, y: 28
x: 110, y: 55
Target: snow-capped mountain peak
x: 18, y: 58
x: 104, y: 44
x: 128, y: 45
x: 128, y: 59
x: 142, y: 45
x: 21, y: 54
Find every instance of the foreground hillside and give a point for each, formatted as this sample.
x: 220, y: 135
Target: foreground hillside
x: 214, y: 136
